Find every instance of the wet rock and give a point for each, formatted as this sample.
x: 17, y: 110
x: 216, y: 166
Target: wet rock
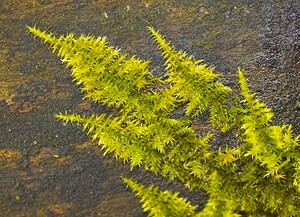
x: 280, y: 35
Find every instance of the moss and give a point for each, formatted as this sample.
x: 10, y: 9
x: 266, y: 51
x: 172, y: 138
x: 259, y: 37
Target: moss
x: 259, y: 176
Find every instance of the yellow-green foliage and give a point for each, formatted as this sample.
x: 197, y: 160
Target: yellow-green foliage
x: 161, y: 204
x: 258, y: 177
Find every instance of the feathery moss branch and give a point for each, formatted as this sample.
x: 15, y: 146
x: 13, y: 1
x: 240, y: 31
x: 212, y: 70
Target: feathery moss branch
x: 259, y: 177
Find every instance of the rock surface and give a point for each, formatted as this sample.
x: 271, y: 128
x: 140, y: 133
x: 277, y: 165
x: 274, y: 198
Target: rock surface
x: 50, y: 169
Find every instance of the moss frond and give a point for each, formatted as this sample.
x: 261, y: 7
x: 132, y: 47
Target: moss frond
x: 195, y: 84
x: 43, y: 35
x: 161, y: 203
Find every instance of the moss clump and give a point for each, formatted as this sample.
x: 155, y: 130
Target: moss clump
x: 260, y: 176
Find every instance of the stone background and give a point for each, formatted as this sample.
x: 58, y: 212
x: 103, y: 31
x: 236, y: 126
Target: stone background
x: 50, y: 169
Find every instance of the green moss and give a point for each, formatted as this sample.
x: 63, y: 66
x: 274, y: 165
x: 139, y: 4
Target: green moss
x: 260, y: 176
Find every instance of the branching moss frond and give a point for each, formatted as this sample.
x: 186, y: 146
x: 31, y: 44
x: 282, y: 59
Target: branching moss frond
x: 43, y: 35
x: 195, y: 83
x: 161, y: 203
x: 105, y: 75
